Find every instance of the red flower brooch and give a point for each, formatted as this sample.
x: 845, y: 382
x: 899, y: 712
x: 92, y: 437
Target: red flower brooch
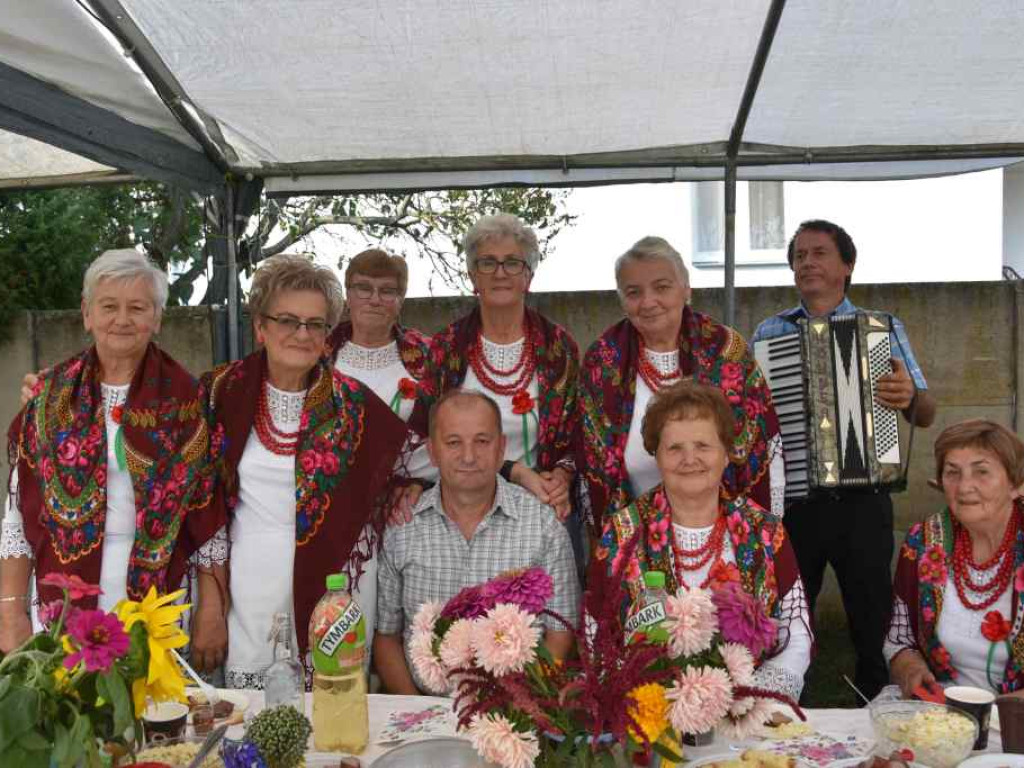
x: 522, y: 402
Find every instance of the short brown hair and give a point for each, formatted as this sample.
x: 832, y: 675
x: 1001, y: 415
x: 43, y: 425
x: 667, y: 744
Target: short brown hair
x: 459, y: 394
x: 688, y: 401
x: 375, y: 262
x: 988, y: 436
x: 294, y: 272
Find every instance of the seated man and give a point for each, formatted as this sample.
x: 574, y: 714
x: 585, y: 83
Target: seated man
x: 467, y: 529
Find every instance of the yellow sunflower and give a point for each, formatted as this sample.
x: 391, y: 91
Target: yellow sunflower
x: 164, y: 681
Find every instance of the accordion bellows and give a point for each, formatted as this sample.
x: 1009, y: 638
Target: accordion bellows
x: 823, y: 380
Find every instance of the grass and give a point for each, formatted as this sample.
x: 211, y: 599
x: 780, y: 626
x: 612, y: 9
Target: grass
x: 824, y: 686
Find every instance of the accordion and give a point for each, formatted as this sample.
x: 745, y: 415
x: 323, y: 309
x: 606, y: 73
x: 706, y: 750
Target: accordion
x: 823, y: 378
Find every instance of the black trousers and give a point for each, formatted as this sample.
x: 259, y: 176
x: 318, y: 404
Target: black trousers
x: 852, y: 532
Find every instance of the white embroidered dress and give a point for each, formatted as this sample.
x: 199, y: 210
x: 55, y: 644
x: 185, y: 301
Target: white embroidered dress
x: 118, y: 529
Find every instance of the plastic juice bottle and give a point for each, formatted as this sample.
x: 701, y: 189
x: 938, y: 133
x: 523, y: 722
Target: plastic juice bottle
x: 337, y: 635
x: 647, y: 614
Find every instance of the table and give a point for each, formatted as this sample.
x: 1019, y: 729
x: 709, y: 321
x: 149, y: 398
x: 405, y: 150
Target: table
x: 834, y: 722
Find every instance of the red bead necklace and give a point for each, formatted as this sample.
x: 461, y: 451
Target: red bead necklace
x: 654, y: 378
x: 483, y: 369
x: 273, y: 439
x: 710, y: 552
x: 963, y: 562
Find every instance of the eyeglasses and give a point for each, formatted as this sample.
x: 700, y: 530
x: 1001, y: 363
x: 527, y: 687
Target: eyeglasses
x: 290, y: 325
x: 512, y: 267
x: 386, y: 293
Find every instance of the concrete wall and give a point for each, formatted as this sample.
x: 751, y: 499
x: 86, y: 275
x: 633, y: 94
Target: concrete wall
x: 965, y: 336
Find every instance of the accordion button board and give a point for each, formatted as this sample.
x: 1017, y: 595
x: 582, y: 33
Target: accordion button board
x: 823, y: 381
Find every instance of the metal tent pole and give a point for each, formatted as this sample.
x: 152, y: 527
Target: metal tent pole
x: 229, y: 215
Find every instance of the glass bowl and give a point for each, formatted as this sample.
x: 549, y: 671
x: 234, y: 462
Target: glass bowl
x: 939, y: 736
x: 178, y: 752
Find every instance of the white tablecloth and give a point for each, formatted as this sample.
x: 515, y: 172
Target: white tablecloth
x: 834, y: 722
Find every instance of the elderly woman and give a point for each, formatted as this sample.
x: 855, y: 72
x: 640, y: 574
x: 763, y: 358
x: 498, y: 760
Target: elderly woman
x: 960, y: 575
x: 370, y: 345
x: 525, y: 362
x: 108, y: 456
x: 660, y: 342
x: 304, y: 455
x: 689, y: 528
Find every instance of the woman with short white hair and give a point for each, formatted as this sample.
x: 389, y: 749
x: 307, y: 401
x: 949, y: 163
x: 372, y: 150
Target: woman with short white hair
x: 661, y: 341
x: 108, y: 457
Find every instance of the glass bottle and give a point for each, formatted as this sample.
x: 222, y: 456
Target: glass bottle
x: 283, y: 682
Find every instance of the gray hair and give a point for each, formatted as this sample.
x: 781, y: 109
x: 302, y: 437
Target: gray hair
x: 651, y: 248
x: 498, y: 226
x: 126, y: 264
x: 294, y: 272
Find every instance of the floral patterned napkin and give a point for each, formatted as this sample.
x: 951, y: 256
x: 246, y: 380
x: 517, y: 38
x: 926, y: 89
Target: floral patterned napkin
x: 435, y: 720
x: 819, y: 749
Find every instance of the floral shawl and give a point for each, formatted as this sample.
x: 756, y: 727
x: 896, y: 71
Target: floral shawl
x: 557, y: 376
x: 709, y: 353
x: 413, y: 346
x: 58, y: 447
x: 349, y: 441
x: 921, y: 574
x: 765, y: 562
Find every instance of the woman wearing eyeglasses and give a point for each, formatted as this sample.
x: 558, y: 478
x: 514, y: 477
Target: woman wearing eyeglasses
x: 525, y: 362
x: 304, y: 456
x: 370, y: 345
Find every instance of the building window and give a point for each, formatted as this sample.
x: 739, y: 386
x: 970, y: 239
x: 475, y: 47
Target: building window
x: 760, y: 224
x: 767, y: 215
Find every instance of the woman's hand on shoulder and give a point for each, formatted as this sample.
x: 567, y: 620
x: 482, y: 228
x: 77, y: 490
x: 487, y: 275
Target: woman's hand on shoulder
x: 28, y: 386
x: 550, y: 487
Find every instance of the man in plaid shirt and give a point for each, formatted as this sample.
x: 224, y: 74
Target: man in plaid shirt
x: 465, y: 530
x: 851, y: 529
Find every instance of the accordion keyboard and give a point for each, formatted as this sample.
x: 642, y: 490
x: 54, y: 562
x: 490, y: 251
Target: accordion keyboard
x: 781, y: 362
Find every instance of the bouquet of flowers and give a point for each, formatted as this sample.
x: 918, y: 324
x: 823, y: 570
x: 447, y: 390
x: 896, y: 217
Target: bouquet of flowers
x: 520, y: 707
x: 79, y: 687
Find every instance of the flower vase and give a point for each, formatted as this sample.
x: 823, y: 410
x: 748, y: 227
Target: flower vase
x: 584, y: 753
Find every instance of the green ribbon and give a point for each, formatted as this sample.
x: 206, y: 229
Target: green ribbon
x: 528, y: 456
x: 396, y: 401
x: 122, y: 461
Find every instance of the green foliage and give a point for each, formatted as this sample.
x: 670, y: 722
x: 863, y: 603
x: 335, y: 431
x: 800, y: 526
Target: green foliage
x: 280, y: 734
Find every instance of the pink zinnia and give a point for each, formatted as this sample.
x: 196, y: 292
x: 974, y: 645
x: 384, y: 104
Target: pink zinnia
x: 738, y: 662
x: 691, y: 621
x: 100, y: 638
x: 50, y: 612
x: 530, y: 589
x: 428, y: 667
x: 505, y: 640
x: 743, y: 619
x: 467, y: 604
x: 700, y: 697
x: 496, y: 740
x: 76, y: 587
x: 456, y: 649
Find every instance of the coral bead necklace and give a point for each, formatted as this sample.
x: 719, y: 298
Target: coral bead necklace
x: 963, y: 564
x: 691, y: 560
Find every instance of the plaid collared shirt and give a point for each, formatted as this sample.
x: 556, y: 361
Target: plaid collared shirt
x: 429, y: 558
x: 785, y: 322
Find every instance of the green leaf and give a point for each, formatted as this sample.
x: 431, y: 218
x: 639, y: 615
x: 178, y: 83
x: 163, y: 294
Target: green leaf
x: 23, y: 758
x: 136, y: 661
x: 18, y: 715
x: 5, y: 686
x: 61, y: 743
x: 33, y: 741
x: 666, y: 753
x: 114, y: 689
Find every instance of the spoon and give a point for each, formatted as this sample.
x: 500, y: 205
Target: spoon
x: 856, y: 690
x: 208, y: 690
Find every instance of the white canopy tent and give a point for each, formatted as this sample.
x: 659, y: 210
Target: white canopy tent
x: 319, y: 96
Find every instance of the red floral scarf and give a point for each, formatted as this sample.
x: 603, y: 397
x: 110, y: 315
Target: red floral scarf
x: 557, y: 376
x: 709, y: 353
x: 349, y: 442
x: 58, y: 447
x: 921, y: 572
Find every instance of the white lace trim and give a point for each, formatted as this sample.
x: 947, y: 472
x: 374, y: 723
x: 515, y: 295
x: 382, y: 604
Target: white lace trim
x: 367, y: 358
x: 285, y: 407
x: 777, y: 477
x: 13, y: 542
x: 113, y: 396
x: 775, y: 677
x: 503, y: 357
x: 215, y: 551
x: 664, y: 362
x: 691, y: 538
x: 899, y: 636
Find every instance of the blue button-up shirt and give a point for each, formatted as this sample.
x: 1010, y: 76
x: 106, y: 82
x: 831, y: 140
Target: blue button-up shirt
x: 786, y: 322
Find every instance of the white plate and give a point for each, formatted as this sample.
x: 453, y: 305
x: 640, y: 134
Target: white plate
x: 238, y: 698
x: 848, y: 762
x: 993, y: 760
x: 722, y: 757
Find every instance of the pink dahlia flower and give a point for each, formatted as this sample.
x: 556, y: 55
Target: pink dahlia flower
x: 530, y: 589
x: 426, y: 617
x: 428, y: 667
x: 467, y: 604
x: 456, y: 649
x: 691, y: 621
x: 701, y: 696
x: 743, y: 619
x: 505, y: 639
x: 496, y: 740
x: 739, y: 662
x: 100, y: 639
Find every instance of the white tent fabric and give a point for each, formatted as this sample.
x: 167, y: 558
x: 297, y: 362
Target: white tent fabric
x: 23, y: 159
x: 320, y: 95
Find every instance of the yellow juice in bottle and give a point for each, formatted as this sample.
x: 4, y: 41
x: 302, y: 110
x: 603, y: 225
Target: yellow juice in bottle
x: 337, y: 635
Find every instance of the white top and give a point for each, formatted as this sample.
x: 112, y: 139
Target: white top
x: 959, y: 630
x: 640, y: 466
x: 784, y: 672
x: 263, y: 550
x: 119, y: 526
x: 503, y: 357
x: 381, y: 369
